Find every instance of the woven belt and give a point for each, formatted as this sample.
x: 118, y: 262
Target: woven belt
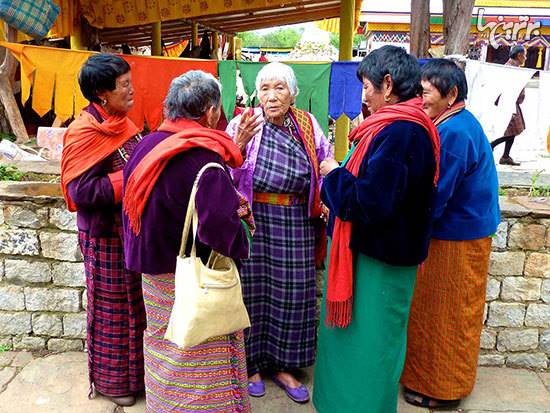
x: 279, y: 199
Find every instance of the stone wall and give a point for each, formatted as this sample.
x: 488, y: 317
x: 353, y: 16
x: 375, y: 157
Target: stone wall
x: 42, y: 298
x: 517, y: 314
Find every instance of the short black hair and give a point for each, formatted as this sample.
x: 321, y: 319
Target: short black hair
x: 99, y: 73
x: 515, y: 51
x: 445, y: 75
x: 396, y: 62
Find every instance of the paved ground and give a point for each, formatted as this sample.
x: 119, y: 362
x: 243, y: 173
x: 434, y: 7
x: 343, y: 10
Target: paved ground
x: 58, y: 384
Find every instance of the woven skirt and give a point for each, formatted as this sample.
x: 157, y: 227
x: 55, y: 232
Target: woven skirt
x: 446, y: 319
x: 210, y: 377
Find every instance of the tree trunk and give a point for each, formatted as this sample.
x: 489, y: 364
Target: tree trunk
x: 420, y: 28
x: 7, y: 73
x: 457, y: 16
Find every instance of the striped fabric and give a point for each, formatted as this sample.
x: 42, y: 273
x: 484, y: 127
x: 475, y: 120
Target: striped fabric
x: 210, y: 377
x: 115, y: 317
x: 33, y: 17
x: 279, y: 279
x: 446, y: 319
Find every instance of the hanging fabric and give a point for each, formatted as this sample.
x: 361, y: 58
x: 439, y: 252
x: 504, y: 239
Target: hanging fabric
x: 53, y: 74
x: 346, y: 90
x: 32, y: 17
x: 227, y: 70
x: 313, y: 81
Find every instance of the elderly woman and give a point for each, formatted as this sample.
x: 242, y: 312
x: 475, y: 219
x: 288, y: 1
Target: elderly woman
x: 96, y: 148
x: 283, y: 147
x: 380, y: 202
x: 210, y: 377
x: 449, y: 297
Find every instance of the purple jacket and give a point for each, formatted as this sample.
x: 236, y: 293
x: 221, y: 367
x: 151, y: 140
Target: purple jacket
x: 244, y: 175
x: 155, y: 249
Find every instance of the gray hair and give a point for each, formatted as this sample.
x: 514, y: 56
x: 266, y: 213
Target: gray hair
x: 191, y: 95
x: 278, y: 71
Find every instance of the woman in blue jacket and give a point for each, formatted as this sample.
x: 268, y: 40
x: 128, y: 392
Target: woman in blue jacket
x: 448, y: 303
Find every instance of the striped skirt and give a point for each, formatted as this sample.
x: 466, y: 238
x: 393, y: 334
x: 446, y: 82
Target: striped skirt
x: 210, y: 377
x: 446, y: 319
x: 115, y: 318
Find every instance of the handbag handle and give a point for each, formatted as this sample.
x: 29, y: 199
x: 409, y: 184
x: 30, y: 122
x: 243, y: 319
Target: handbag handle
x: 191, y: 215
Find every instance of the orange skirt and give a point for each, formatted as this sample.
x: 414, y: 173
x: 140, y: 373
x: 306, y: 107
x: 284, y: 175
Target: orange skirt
x: 446, y: 319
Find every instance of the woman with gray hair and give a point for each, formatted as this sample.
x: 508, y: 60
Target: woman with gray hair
x: 158, y: 179
x: 283, y: 147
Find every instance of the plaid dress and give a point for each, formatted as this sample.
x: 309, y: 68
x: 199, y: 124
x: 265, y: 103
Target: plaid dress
x: 115, y: 312
x: 279, y: 278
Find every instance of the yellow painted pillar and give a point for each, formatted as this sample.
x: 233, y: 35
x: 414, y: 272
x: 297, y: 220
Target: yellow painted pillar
x: 156, y: 42
x: 76, y: 38
x: 347, y: 28
x: 196, y: 41
x: 215, y: 45
x: 231, y: 48
x: 238, y: 47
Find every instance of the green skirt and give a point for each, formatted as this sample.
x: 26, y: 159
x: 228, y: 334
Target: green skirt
x: 358, y: 368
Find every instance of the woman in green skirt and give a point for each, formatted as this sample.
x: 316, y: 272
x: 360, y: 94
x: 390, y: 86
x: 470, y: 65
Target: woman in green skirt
x: 379, y: 225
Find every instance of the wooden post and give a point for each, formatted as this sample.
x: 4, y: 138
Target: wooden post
x: 231, y: 48
x: 7, y: 73
x: 238, y: 48
x: 457, y: 21
x: 420, y: 28
x: 196, y: 41
x: 156, y: 39
x: 347, y: 27
x: 215, y: 46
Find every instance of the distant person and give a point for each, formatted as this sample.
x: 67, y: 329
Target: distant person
x: 205, y: 50
x: 263, y: 58
x: 518, y: 56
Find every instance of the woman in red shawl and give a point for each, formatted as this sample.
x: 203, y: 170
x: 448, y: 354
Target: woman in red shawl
x: 96, y: 147
x: 380, y: 202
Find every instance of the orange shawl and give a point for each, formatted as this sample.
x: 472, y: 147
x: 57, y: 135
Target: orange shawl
x: 88, y: 142
x: 187, y: 135
x: 340, y: 270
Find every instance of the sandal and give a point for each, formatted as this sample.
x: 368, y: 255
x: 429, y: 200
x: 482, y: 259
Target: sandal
x: 420, y: 400
x: 298, y: 394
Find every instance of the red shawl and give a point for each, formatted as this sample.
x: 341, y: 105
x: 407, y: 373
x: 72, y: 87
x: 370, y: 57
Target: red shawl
x: 340, y: 271
x: 187, y: 135
x: 88, y: 142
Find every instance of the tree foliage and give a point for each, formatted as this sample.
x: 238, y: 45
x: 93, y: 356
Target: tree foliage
x: 335, y: 40
x: 283, y: 37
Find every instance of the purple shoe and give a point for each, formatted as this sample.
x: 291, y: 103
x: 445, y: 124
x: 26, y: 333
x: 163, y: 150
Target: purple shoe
x: 256, y: 388
x: 298, y: 394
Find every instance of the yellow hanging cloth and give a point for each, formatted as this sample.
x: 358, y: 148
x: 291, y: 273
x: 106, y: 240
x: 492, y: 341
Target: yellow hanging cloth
x: 50, y: 77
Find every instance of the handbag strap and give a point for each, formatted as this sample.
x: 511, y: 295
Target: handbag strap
x: 191, y: 215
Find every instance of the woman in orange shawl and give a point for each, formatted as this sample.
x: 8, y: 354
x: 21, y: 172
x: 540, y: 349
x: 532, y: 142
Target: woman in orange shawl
x: 379, y: 224
x: 96, y: 147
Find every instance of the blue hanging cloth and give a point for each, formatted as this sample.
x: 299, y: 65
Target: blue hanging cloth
x: 345, y: 90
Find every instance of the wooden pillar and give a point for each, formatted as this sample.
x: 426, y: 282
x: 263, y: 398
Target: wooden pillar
x: 231, y: 47
x: 156, y: 39
x: 238, y: 47
x: 347, y: 27
x: 77, y: 42
x: 195, y: 36
x: 215, y: 46
x: 7, y: 98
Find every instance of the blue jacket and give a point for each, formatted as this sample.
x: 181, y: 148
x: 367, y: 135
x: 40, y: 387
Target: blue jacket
x: 390, y: 202
x: 466, y: 204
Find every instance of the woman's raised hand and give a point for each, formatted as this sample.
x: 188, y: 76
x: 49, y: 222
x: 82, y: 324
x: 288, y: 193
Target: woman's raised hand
x: 249, y: 126
x: 328, y: 165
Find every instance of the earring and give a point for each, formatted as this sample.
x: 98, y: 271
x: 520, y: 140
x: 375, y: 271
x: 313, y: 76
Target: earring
x: 104, y: 102
x: 449, y: 105
x: 387, y: 98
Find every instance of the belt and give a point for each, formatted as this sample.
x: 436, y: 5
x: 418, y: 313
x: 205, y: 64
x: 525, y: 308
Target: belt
x: 279, y: 199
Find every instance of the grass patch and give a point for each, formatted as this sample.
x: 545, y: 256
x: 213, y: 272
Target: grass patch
x: 10, y: 173
x: 4, y: 348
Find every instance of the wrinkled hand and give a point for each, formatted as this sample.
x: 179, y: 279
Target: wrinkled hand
x: 328, y: 165
x: 324, y: 213
x: 249, y: 126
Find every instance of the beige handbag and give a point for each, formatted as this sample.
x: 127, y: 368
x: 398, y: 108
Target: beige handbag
x: 208, y: 298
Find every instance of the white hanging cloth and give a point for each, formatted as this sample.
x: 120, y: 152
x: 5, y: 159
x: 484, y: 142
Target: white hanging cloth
x: 486, y: 83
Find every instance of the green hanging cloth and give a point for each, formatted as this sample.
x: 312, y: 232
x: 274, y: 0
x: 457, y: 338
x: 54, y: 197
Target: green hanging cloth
x: 313, y: 81
x: 227, y: 71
